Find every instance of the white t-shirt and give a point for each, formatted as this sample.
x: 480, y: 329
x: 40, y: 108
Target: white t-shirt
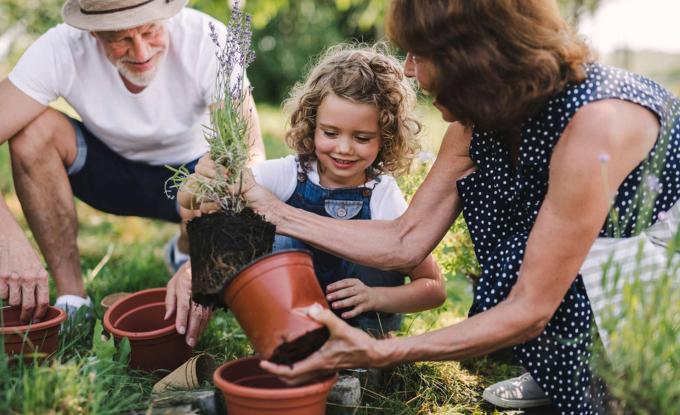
x: 279, y: 176
x: 160, y: 125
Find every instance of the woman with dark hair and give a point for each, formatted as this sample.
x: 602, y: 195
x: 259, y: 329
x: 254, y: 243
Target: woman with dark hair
x: 534, y: 124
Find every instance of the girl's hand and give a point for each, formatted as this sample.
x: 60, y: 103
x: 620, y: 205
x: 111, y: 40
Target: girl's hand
x: 351, y: 292
x: 206, y: 167
x: 347, y: 347
x: 258, y: 197
x: 204, y: 170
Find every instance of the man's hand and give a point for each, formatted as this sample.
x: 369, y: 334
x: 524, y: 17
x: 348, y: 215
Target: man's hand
x: 351, y: 292
x: 23, y: 280
x: 347, y: 347
x: 178, y: 302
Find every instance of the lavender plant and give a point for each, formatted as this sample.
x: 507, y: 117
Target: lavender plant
x: 229, y: 129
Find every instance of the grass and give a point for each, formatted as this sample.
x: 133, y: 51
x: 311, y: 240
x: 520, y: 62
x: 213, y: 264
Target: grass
x: 124, y: 254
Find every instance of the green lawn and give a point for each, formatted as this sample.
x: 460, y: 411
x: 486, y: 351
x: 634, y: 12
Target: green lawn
x: 124, y: 254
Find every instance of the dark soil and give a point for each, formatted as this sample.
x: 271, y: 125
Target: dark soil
x: 221, y: 244
x: 298, y: 349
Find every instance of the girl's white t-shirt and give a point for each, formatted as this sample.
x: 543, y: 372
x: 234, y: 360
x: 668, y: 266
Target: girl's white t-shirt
x: 163, y: 124
x: 279, y: 176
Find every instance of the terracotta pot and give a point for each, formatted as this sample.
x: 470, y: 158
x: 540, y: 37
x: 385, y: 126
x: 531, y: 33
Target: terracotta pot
x: 42, y: 337
x: 249, y: 390
x: 269, y: 298
x: 154, y: 342
x: 111, y: 299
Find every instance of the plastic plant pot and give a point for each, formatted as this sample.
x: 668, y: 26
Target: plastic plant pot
x: 269, y: 299
x: 154, y: 342
x: 36, y: 339
x: 250, y: 390
x: 111, y: 299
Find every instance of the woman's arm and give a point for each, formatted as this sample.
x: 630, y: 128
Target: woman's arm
x: 575, y: 207
x: 399, y: 244
x: 568, y: 222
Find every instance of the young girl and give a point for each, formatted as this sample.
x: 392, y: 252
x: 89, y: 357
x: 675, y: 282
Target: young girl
x: 352, y: 129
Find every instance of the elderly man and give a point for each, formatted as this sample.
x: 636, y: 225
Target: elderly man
x: 141, y: 75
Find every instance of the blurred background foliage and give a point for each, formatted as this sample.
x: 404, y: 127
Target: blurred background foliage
x: 286, y: 33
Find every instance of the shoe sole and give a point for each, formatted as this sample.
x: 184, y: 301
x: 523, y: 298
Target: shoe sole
x: 514, y: 403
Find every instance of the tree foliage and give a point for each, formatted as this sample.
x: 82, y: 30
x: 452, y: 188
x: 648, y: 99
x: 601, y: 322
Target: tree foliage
x: 574, y: 10
x: 287, y: 33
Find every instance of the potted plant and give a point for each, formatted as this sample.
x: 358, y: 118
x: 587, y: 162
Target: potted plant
x: 222, y: 242
x: 229, y: 244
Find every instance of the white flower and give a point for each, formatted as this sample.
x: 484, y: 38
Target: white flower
x: 425, y: 156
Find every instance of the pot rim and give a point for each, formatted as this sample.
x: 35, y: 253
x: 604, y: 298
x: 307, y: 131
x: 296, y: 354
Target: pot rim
x: 271, y: 254
x: 57, y: 320
x: 117, y: 295
x: 272, y: 394
x: 137, y: 335
x: 229, y: 285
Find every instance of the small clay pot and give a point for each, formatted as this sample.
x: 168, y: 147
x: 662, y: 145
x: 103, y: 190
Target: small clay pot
x: 269, y: 299
x: 154, y: 342
x: 42, y: 337
x: 250, y: 390
x: 111, y: 299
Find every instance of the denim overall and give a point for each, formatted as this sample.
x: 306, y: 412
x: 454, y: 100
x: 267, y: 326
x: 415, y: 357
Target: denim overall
x: 345, y: 204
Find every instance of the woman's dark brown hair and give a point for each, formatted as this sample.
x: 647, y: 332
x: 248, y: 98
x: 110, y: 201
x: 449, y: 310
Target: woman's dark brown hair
x: 495, y: 61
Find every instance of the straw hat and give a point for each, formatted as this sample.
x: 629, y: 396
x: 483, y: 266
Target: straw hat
x: 110, y: 15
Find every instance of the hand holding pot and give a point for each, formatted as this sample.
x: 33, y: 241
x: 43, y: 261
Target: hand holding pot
x: 178, y: 302
x: 351, y: 292
x: 347, y: 347
x: 23, y: 281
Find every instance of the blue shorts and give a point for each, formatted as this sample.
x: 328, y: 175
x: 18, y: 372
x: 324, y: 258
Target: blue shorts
x: 113, y: 184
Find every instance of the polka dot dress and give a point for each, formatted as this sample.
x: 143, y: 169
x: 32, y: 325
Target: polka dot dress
x: 501, y: 205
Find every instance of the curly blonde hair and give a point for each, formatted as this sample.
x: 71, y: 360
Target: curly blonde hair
x: 366, y: 75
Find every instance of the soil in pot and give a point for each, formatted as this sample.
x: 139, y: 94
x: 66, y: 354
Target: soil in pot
x: 250, y: 390
x: 221, y: 244
x: 42, y: 337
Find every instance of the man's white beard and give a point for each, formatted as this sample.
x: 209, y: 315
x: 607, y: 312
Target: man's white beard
x: 141, y: 78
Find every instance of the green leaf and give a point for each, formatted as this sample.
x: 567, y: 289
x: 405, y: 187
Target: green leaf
x: 104, y: 348
x: 123, y: 351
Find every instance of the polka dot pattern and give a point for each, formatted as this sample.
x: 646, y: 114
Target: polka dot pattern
x: 501, y: 205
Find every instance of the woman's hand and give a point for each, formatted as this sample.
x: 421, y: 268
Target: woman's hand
x: 347, y: 347
x: 351, y: 292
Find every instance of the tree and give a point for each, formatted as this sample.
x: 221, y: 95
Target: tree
x: 574, y: 10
